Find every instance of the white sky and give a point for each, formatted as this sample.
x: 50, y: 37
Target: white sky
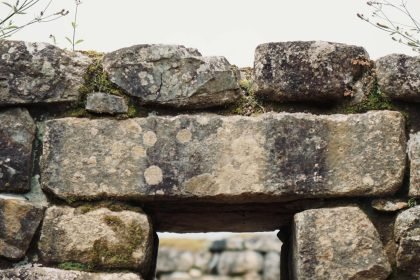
x: 231, y: 28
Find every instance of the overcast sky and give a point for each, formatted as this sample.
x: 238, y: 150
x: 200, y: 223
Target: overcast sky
x: 231, y: 28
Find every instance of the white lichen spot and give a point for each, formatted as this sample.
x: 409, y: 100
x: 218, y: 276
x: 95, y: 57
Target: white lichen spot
x: 153, y: 175
x: 367, y: 180
x: 149, y: 138
x: 138, y: 152
x: 142, y: 74
x: 184, y: 136
x: 203, y: 120
x: 93, y: 131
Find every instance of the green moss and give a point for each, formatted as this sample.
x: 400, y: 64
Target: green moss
x: 132, y: 111
x: 73, y: 266
x: 249, y: 103
x: 117, y: 255
x: 376, y: 100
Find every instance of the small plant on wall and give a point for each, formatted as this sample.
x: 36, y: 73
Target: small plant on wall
x: 10, y: 18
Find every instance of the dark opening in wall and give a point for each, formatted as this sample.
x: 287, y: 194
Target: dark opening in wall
x: 219, y: 256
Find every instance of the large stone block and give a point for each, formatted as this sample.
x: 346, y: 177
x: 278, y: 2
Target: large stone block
x: 39, y: 73
x: 407, y: 236
x: 173, y: 75
x: 239, y: 262
x: 399, y: 76
x: 337, y: 243
x: 45, y: 273
x: 17, y: 132
x: 232, y: 159
x: 414, y: 156
x: 307, y: 71
x: 99, y: 238
x: 19, y: 221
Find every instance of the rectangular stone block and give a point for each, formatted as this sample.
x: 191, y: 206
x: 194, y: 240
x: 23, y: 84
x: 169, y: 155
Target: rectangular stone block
x: 414, y: 156
x: 272, y: 157
x: 17, y: 132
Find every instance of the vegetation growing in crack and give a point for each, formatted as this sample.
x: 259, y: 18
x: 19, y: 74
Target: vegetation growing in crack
x: 73, y: 266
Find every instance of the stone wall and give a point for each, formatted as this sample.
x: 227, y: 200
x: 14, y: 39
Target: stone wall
x: 98, y: 152
x: 237, y: 257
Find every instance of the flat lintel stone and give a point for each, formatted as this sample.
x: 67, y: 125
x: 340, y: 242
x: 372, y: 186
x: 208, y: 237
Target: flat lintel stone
x: 272, y: 157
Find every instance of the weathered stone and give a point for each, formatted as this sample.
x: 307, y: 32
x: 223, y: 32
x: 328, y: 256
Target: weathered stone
x: 202, y: 260
x: 170, y: 259
x: 271, y: 269
x: 407, y: 236
x: 39, y: 73
x: 234, y: 263
x: 399, y: 76
x: 337, y: 243
x: 231, y: 243
x: 389, y: 205
x: 17, y: 132
x: 100, y: 237
x: 271, y: 157
x: 263, y: 243
x: 18, y: 223
x: 100, y: 102
x: 414, y: 156
x: 45, y: 273
x: 307, y: 71
x: 173, y: 75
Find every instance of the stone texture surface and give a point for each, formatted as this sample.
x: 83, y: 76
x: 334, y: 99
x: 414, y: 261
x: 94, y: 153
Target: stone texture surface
x: 399, y: 76
x: 414, y: 156
x: 271, y: 269
x: 44, y: 273
x: 39, y: 73
x: 234, y: 263
x: 389, y: 205
x: 229, y: 159
x: 174, y: 260
x: 173, y: 75
x: 407, y: 236
x: 337, y: 243
x: 307, y: 71
x: 99, y: 102
x: 17, y: 132
x: 18, y: 222
x: 99, y: 237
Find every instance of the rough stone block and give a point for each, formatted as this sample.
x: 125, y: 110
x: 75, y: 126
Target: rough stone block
x: 234, y: 263
x: 307, y: 71
x: 45, y: 273
x: 407, y: 236
x: 414, y: 156
x: 272, y: 157
x: 173, y: 75
x: 17, y: 132
x: 100, y: 102
x: 337, y: 243
x: 271, y: 269
x: 98, y: 237
x: 19, y: 221
x: 399, y: 76
x: 39, y: 73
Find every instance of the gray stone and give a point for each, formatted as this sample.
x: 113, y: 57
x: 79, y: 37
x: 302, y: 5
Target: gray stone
x: 389, y: 205
x: 399, y: 76
x: 263, y: 243
x: 414, y: 156
x: 100, y: 237
x: 308, y: 71
x: 407, y: 236
x: 173, y: 75
x: 231, y: 243
x: 45, y: 273
x: 39, y: 73
x: 271, y: 157
x: 100, y: 102
x: 202, y: 260
x: 271, y: 269
x: 170, y: 259
x: 241, y: 262
x: 17, y: 132
x: 19, y: 221
x: 337, y: 243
